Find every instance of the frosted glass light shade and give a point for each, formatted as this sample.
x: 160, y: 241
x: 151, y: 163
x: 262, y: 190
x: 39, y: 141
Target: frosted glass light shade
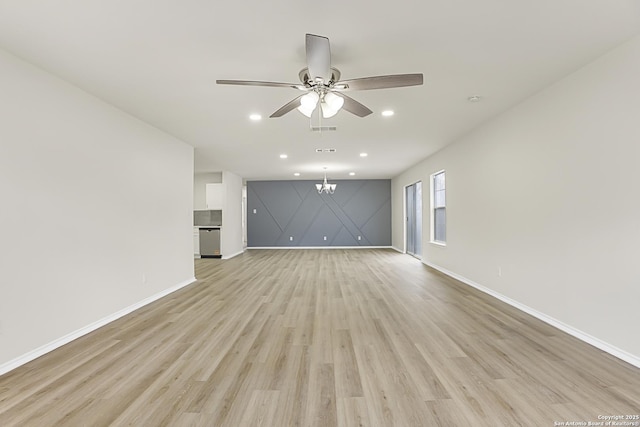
x: 308, y: 103
x: 334, y: 101
x: 331, y: 104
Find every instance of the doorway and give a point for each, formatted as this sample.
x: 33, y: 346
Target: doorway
x: 413, y: 209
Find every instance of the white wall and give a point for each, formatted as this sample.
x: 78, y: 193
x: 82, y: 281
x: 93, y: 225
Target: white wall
x: 550, y: 193
x: 95, y: 214
x: 231, y: 240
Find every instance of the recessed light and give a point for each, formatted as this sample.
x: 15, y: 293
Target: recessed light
x: 352, y: 173
x: 283, y: 156
x: 363, y: 154
x: 296, y: 174
x: 387, y: 113
x: 474, y: 98
x: 255, y: 117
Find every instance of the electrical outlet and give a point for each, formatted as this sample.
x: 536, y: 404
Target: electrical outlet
x: 325, y: 237
x: 255, y: 211
x: 359, y: 237
x: 291, y: 238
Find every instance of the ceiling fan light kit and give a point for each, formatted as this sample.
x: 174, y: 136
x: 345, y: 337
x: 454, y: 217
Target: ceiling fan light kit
x: 322, y: 84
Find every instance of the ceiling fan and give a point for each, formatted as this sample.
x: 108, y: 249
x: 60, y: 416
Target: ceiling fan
x: 321, y: 84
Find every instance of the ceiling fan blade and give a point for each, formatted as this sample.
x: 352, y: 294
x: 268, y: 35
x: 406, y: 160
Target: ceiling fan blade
x: 318, y: 57
x: 291, y: 105
x: 353, y: 106
x: 380, y: 82
x: 256, y: 83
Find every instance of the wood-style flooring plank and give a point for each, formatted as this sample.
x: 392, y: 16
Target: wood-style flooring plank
x: 321, y: 338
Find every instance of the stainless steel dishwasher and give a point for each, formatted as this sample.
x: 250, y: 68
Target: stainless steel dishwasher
x: 210, y: 242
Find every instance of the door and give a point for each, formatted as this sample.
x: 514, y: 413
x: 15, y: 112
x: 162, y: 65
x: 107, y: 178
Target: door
x: 413, y: 208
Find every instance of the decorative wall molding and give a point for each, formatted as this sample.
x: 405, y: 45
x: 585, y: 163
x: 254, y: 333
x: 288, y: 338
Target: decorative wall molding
x: 602, y: 345
x: 292, y: 213
x: 34, y: 354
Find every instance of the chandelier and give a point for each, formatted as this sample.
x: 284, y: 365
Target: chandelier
x: 325, y: 187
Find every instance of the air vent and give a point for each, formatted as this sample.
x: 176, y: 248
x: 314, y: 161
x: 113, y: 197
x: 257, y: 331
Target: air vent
x: 326, y: 150
x: 323, y: 128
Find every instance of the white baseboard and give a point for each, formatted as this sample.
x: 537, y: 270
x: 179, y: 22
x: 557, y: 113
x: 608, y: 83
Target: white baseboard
x: 34, y: 354
x: 320, y: 247
x: 604, y: 346
x: 232, y: 255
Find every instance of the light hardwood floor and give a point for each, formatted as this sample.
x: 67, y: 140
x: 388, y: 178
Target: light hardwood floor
x: 321, y: 338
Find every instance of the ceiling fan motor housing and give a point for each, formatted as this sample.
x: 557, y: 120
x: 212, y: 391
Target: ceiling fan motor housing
x: 308, y: 81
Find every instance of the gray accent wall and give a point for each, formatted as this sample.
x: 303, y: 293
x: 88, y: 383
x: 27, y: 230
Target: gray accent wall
x: 279, y: 210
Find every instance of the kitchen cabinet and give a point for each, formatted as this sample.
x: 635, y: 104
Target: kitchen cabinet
x: 215, y: 194
x: 196, y: 241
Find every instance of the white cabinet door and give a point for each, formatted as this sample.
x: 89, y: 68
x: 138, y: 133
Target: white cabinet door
x: 215, y: 196
x: 196, y: 241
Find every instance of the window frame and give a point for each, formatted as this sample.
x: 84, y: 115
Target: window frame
x: 434, y: 208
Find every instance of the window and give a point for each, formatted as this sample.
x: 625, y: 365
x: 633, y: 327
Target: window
x: 438, y: 210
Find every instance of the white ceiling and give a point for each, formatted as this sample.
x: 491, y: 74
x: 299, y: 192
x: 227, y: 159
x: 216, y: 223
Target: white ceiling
x: 158, y: 60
